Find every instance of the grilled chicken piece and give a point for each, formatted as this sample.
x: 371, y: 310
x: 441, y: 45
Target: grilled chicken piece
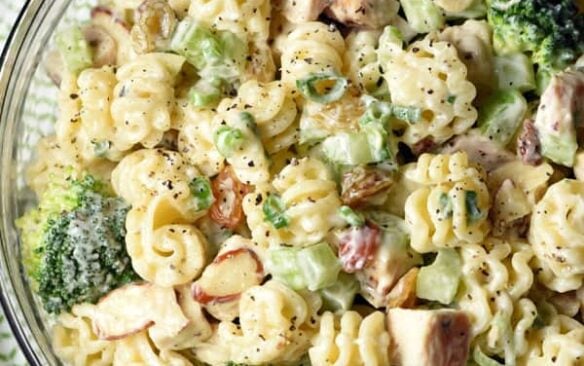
x: 429, y: 337
x: 371, y: 14
x: 560, y: 117
x: 301, y: 11
x: 480, y: 150
x: 528, y: 145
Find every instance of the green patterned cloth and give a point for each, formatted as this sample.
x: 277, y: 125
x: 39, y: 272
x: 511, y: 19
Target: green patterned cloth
x: 10, y: 354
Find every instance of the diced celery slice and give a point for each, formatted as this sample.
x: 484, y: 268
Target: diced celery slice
x: 439, y: 281
x: 74, y: 50
x: 514, y: 71
x: 501, y: 115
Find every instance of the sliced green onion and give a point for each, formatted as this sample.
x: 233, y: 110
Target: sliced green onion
x: 439, y: 281
x: 451, y: 99
x: 341, y: 294
x: 351, y: 217
x: 101, y: 148
x: 482, y: 359
x: 283, y: 265
x: 377, y: 139
x: 214, y: 53
x: 249, y: 120
x: 319, y: 265
x: 202, y: 193
x: 227, y: 140
x: 206, y: 92
x: 378, y: 111
x: 407, y: 114
x: 446, y: 209
x: 275, y: 211
x: 316, y: 87
x: 74, y: 50
x: 472, y: 206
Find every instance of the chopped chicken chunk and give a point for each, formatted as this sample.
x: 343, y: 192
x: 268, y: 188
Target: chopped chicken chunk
x: 371, y: 14
x: 429, y: 337
x: 479, y: 149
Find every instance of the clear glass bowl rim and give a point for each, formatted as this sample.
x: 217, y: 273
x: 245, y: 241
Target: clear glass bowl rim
x: 19, y: 60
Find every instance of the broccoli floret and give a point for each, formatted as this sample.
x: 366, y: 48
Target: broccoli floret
x: 73, y: 243
x: 552, y: 31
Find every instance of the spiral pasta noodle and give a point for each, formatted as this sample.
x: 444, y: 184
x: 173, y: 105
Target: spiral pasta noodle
x: 561, y: 343
x: 248, y: 160
x: 195, y: 138
x: 496, y: 278
x: 137, y: 350
x: 308, y: 48
x: 451, y: 211
x: 274, y: 328
x: 75, y: 342
x: 165, y: 249
x: 273, y: 110
x: 360, y: 60
x: 148, y: 173
x: 310, y: 196
x: 557, y: 235
x: 429, y: 75
x: 143, y: 99
x: 351, y: 340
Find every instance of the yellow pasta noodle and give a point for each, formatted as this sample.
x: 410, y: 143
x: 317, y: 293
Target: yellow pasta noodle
x: 165, y: 249
x: 195, y: 138
x: 351, y: 340
x: 360, y: 61
x: 75, y: 342
x: 452, y: 210
x: 143, y: 99
x: 311, y: 200
x: 311, y: 47
x: 557, y: 235
x: 429, y: 75
x: 273, y: 329
x: 496, y: 278
x: 248, y: 158
x: 273, y: 110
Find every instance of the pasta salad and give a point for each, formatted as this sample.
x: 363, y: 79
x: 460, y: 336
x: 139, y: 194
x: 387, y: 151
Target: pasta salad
x: 310, y: 182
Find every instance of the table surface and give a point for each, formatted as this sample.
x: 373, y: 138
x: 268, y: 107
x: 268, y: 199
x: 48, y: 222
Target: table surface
x: 10, y: 354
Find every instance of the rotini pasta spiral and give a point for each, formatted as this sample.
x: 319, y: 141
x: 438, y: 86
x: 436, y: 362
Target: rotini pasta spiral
x: 453, y: 210
x: 137, y: 350
x: 164, y: 248
x: 443, y: 168
x: 311, y: 47
x: 274, y: 328
x: 148, y: 173
x: 559, y: 343
x: 496, y: 277
x: 248, y: 159
x: 351, y: 340
x: 75, y: 342
x: 195, y: 138
x: 557, y: 235
x: 360, y: 61
x: 274, y: 113
x: 429, y: 75
x: 311, y: 200
x: 143, y: 99
x: 96, y: 91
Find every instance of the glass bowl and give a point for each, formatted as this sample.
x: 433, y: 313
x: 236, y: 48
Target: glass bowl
x: 27, y: 112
